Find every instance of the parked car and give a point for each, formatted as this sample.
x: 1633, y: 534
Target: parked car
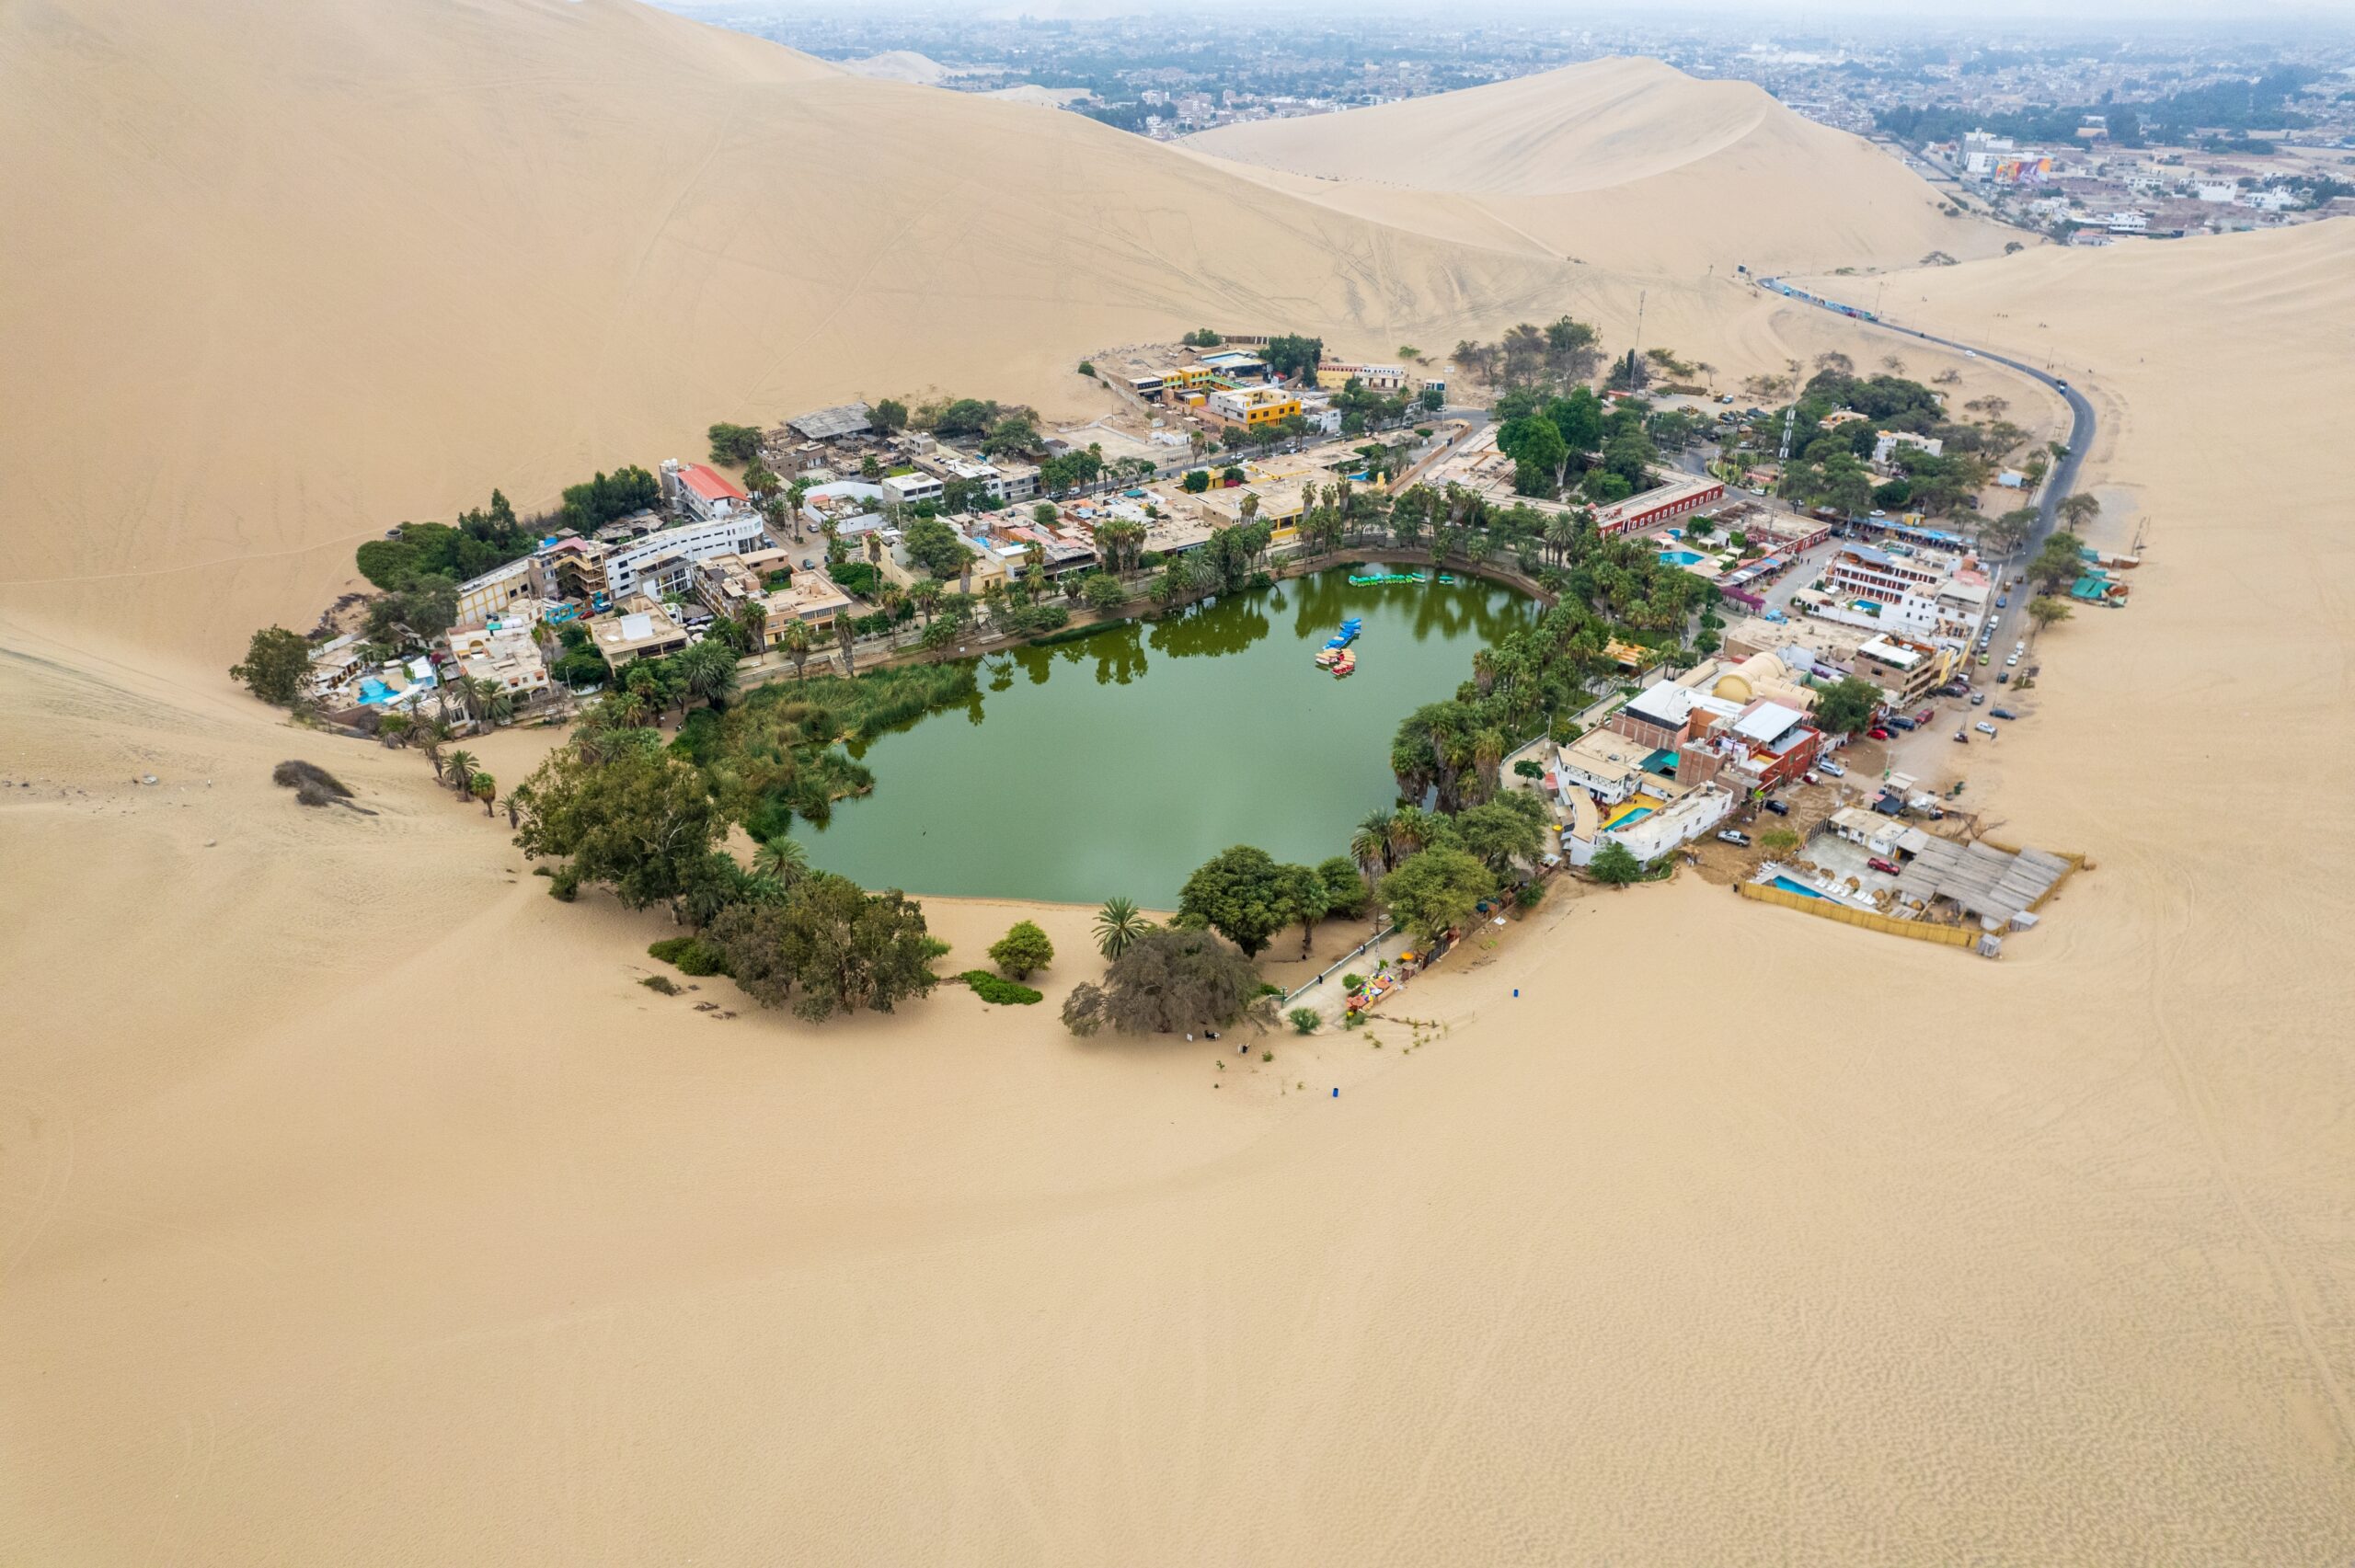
x: 2003, y: 677
x: 1884, y: 867
x: 1809, y: 777
x: 1733, y: 836
x: 2013, y: 662
x: 2002, y: 601
x: 1877, y: 733
x: 1984, y: 727
x: 1837, y: 770
x: 1978, y: 699
x: 1779, y: 808
x: 1899, y: 721
x: 2003, y: 713
x: 1984, y: 657
x: 1925, y: 716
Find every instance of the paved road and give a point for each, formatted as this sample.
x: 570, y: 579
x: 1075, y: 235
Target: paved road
x: 2060, y: 482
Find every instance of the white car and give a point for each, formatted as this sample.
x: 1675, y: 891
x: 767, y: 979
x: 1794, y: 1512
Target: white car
x: 1837, y: 770
x: 1984, y: 727
x: 2011, y: 661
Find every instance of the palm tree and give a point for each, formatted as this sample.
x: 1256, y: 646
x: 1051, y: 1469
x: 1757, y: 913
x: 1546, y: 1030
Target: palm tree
x: 780, y: 857
x: 709, y: 671
x: 483, y: 787
x: 1118, y: 926
x: 846, y: 634
x: 1487, y: 755
x: 751, y: 623
x: 1411, y: 827
x: 462, y: 770
x: 433, y: 734
x: 797, y: 640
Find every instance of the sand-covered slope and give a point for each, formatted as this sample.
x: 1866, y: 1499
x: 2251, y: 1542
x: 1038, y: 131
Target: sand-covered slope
x: 357, y: 1205
x: 1628, y: 165
x: 280, y: 274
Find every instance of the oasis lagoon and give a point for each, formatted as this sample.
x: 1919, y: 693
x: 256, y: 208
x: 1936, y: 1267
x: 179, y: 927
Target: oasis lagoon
x: 1115, y: 762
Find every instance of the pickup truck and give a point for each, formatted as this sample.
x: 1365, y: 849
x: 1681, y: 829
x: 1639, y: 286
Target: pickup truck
x: 1733, y: 836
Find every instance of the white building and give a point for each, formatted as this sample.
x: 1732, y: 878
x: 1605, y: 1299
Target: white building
x: 663, y: 563
x: 1656, y: 831
x: 700, y: 492
x: 509, y: 657
x: 1886, y: 444
x: 907, y: 489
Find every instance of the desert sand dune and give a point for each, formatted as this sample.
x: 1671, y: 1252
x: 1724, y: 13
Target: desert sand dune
x: 1636, y: 171
x: 325, y: 268
x: 357, y: 1204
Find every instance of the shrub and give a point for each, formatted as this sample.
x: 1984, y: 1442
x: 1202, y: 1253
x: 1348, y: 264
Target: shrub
x: 1531, y: 895
x: 1005, y: 992
x: 564, y: 884
x: 691, y: 955
x: 660, y: 983
x: 1023, y: 950
x: 1086, y: 368
x: 1352, y: 982
x: 1305, y: 1020
x: 1529, y: 768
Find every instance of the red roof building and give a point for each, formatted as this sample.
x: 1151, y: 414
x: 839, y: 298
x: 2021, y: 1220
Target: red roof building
x: 708, y: 494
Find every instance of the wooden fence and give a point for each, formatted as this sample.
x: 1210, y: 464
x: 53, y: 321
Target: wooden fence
x: 1825, y: 908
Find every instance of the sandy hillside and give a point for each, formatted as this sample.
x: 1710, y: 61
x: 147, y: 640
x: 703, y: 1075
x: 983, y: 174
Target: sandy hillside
x: 1646, y: 178
x: 321, y: 267
x: 359, y: 1206
x: 899, y: 66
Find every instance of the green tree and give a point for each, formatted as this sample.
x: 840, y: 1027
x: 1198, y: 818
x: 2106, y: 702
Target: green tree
x: 734, y: 443
x: 1436, y: 890
x: 1344, y: 884
x: 641, y: 820
x: 2047, y: 611
x: 277, y: 666
x: 2059, y: 560
x: 1502, y: 830
x: 888, y: 414
x: 1615, y: 866
x: 2080, y: 510
x: 1846, y: 706
x: 1118, y: 926
x: 1168, y: 980
x: 1023, y: 950
x: 1103, y: 592
x: 485, y: 788
x: 935, y: 547
x: 1240, y: 893
x: 839, y: 948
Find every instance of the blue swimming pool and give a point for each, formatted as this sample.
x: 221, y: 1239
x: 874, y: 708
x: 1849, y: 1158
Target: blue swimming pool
x: 1637, y: 815
x: 1869, y: 606
x: 1679, y: 557
x: 373, y: 690
x: 1801, y: 888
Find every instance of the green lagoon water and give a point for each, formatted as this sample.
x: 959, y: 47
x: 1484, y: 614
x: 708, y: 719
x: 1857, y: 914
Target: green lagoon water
x: 1116, y: 763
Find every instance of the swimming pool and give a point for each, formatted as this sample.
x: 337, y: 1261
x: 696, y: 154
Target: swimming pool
x: 1637, y: 815
x: 374, y: 691
x: 1869, y: 606
x: 1679, y: 557
x: 1801, y: 888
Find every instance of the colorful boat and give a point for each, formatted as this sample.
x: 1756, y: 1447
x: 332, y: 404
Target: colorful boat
x: 1325, y: 656
x: 1371, y: 579
x: 1346, y: 664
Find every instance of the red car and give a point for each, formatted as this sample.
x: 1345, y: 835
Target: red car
x: 1877, y: 733
x: 1882, y: 867
x: 1925, y: 716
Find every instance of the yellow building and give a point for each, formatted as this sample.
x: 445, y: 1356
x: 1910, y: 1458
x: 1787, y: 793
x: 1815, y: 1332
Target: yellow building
x: 1254, y: 406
